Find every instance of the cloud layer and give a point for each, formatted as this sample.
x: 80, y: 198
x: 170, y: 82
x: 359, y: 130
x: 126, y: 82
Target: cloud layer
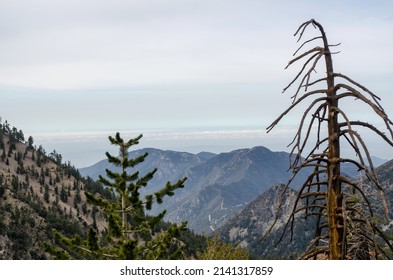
x: 179, y: 65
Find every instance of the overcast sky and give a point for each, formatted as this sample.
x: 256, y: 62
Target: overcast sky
x: 190, y: 75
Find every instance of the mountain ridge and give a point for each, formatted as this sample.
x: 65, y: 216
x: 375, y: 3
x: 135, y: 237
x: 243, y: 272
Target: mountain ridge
x: 218, y: 186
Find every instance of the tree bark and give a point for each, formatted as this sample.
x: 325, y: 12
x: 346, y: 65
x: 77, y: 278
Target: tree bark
x: 334, y: 198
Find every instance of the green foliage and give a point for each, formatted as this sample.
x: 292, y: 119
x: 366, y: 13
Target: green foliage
x: 96, y: 187
x: 30, y: 142
x: 2, y: 185
x: 57, y: 253
x: 3, y: 155
x: 3, y: 226
x: 63, y: 195
x: 46, y: 193
x: 15, y: 183
x: 131, y: 234
x: 218, y: 250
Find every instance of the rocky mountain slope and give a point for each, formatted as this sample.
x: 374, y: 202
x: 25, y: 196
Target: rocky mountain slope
x: 39, y: 193
x: 253, y: 222
x: 385, y: 176
x: 249, y: 226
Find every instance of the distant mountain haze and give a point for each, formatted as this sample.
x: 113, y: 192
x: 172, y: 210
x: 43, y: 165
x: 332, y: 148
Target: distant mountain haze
x: 218, y: 186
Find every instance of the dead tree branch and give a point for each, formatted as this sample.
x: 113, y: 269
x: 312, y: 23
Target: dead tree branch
x: 346, y: 228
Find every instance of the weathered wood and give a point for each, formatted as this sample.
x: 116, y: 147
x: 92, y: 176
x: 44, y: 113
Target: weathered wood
x: 325, y: 183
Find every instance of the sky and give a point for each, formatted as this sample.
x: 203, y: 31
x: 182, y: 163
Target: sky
x: 203, y: 75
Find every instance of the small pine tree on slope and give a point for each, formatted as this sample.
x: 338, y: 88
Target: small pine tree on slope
x: 132, y: 234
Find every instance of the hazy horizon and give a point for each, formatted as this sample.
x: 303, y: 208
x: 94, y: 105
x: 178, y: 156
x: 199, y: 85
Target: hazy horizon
x: 85, y: 148
x: 191, y: 75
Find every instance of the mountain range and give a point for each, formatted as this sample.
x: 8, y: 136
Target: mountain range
x: 218, y: 187
x: 235, y: 194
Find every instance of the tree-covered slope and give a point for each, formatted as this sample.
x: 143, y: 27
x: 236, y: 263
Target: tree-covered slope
x: 39, y: 193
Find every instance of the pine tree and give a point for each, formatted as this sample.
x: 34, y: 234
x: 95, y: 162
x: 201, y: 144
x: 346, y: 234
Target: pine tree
x: 30, y: 142
x: 132, y: 233
x: 63, y: 194
x: 46, y: 193
x: 2, y: 185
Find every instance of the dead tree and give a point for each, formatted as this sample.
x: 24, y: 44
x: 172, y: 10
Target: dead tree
x: 325, y: 193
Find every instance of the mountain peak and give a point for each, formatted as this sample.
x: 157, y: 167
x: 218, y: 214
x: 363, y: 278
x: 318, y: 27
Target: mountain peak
x: 218, y: 185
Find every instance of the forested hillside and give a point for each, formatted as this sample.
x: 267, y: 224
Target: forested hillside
x: 41, y: 195
x: 38, y: 193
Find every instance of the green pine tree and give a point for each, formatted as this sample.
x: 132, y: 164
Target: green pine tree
x: 131, y: 234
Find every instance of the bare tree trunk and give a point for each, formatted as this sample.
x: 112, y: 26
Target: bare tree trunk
x: 323, y: 193
x: 334, y: 198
